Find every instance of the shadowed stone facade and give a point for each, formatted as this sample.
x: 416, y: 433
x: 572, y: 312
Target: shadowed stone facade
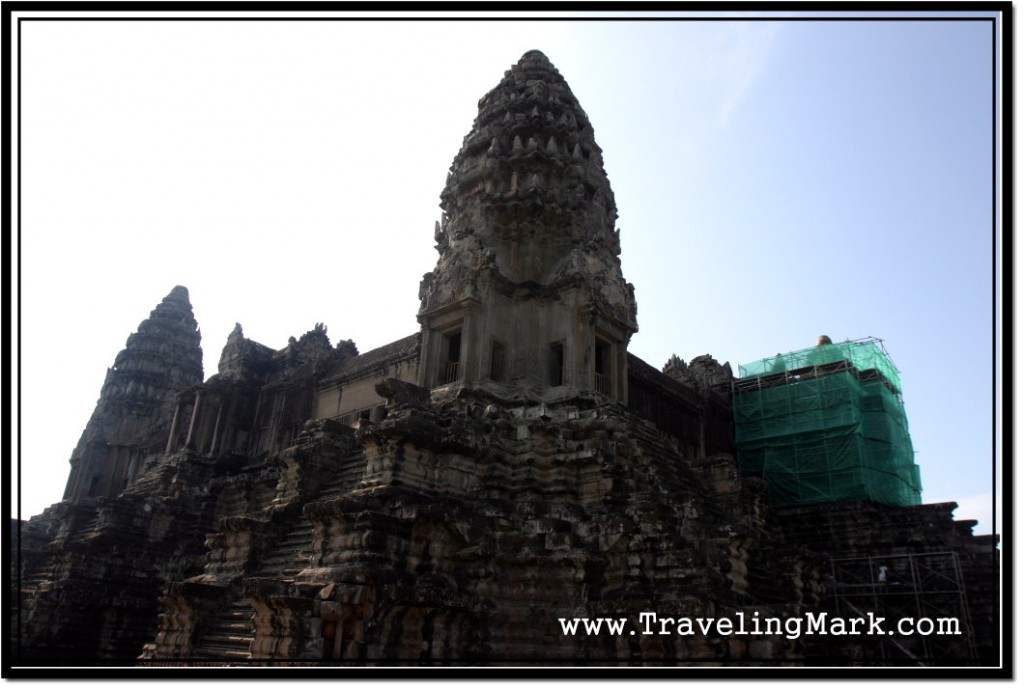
x: 528, y: 290
x: 130, y: 424
x: 449, y: 497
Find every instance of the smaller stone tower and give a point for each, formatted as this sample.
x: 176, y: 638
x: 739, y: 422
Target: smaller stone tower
x: 528, y: 299
x: 132, y: 417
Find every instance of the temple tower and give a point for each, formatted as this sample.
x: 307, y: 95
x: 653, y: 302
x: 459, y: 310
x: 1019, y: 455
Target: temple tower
x: 137, y: 402
x: 527, y: 299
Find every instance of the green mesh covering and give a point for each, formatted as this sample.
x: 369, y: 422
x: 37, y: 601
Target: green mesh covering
x: 830, y: 434
x: 865, y: 356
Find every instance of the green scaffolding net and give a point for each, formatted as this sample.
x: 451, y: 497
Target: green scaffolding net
x: 865, y: 355
x: 826, y: 425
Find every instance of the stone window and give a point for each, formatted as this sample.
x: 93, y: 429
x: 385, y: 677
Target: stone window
x: 556, y: 364
x: 452, y: 354
x: 497, y: 361
x: 602, y: 366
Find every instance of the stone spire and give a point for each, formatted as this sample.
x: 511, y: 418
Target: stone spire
x: 138, y: 398
x: 236, y: 353
x: 530, y: 163
x: 530, y: 218
x: 529, y: 181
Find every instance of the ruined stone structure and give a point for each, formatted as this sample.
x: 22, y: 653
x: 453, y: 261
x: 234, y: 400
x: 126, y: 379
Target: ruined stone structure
x: 130, y: 424
x: 449, y: 497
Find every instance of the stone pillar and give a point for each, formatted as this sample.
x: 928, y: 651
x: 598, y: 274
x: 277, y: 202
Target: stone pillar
x: 216, y: 429
x: 195, y: 416
x: 471, y: 348
x: 256, y: 435
x: 276, y: 416
x: 174, y: 428
x: 619, y: 373
x: 424, y: 378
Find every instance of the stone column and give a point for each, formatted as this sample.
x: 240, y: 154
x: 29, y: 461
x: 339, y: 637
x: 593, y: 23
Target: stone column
x: 174, y: 428
x: 256, y: 433
x: 195, y: 416
x: 216, y: 429
x: 471, y: 347
x: 621, y: 374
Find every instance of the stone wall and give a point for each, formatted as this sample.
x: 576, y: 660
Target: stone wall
x: 477, y: 525
x: 958, y: 571
x: 132, y: 417
x: 537, y: 474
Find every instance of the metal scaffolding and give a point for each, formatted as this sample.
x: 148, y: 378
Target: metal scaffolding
x: 926, y: 588
x: 826, y: 425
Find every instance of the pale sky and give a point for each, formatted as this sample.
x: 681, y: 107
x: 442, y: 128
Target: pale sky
x: 774, y: 180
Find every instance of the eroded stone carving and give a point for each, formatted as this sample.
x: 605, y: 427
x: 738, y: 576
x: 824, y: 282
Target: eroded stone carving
x: 315, y: 504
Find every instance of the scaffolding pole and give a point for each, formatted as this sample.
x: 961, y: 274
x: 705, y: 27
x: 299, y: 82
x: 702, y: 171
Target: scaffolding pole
x: 924, y: 586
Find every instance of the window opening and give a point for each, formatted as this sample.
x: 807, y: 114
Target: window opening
x: 556, y: 364
x: 602, y: 366
x: 453, y: 353
x: 497, y: 361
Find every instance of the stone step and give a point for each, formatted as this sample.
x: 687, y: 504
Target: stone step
x: 229, y: 641
x: 284, y: 555
x: 284, y: 558
x: 282, y: 572
x: 291, y: 555
x: 235, y: 609
x: 349, y: 472
x: 218, y: 652
x: 31, y: 583
x: 289, y: 549
x: 287, y: 567
x: 229, y: 633
x: 296, y: 537
x: 235, y: 625
x: 239, y: 604
x: 36, y: 576
x: 239, y: 631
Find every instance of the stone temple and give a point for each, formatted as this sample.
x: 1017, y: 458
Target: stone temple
x: 468, y: 494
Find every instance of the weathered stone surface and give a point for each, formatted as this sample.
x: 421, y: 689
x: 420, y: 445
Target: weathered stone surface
x: 527, y: 247
x: 131, y: 420
x: 452, y: 497
x: 704, y: 372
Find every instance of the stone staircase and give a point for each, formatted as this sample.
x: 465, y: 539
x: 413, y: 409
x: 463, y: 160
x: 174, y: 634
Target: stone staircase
x: 350, y: 472
x: 290, y: 556
x: 30, y: 582
x: 28, y: 588
x: 229, y: 634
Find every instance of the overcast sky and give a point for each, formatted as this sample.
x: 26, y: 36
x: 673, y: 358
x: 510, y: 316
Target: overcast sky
x: 774, y: 181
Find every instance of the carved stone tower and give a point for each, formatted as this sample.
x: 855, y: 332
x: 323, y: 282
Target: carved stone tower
x: 132, y: 416
x: 312, y: 506
x: 528, y: 299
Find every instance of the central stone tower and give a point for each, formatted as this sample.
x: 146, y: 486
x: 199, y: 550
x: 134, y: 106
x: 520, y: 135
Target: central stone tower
x: 311, y: 505
x: 527, y: 299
